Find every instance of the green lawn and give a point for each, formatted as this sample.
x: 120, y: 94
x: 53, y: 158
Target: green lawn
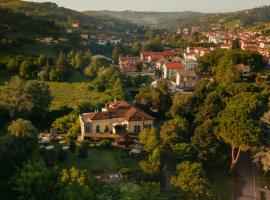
x: 101, y: 160
x: 221, y: 182
x: 75, y: 92
x: 71, y: 93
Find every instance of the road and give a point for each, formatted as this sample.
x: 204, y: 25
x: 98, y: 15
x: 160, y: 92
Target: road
x: 245, y: 180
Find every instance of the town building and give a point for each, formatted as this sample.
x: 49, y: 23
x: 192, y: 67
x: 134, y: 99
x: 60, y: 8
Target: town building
x: 186, y: 79
x: 244, y: 70
x: 129, y: 64
x: 170, y: 69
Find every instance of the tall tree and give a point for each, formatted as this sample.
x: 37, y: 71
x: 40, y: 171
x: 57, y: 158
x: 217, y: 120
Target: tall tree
x: 192, y: 182
x: 238, y: 123
x: 35, y: 181
x: 118, y: 91
x: 22, y: 98
x: 174, y: 131
x: 149, y: 138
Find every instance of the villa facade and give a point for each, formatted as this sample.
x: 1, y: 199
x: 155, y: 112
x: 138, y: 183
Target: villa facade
x: 116, y: 118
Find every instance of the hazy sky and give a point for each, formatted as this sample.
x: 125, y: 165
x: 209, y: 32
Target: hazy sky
x: 161, y: 5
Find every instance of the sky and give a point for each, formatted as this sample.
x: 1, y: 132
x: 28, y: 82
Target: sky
x: 160, y: 5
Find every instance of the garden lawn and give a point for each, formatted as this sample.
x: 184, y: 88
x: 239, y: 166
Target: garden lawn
x: 101, y: 161
x: 75, y: 92
x: 221, y: 182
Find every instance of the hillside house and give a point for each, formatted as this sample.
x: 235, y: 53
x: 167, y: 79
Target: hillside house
x: 116, y: 118
x: 75, y: 25
x: 129, y: 64
x: 186, y: 79
x: 244, y: 70
x: 170, y: 69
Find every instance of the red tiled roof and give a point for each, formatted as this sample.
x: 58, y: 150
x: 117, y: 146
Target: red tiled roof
x: 120, y: 109
x: 174, y: 65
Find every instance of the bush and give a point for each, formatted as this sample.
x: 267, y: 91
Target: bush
x: 105, y: 144
x: 61, y: 154
x: 83, y: 150
x: 72, y: 146
x: 125, y: 171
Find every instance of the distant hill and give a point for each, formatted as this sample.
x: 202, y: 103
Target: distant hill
x: 14, y: 25
x: 156, y: 19
x: 245, y: 18
x: 60, y: 15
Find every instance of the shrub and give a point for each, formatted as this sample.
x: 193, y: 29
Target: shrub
x: 60, y: 154
x: 72, y: 146
x: 105, y: 144
x: 83, y: 150
x: 125, y: 171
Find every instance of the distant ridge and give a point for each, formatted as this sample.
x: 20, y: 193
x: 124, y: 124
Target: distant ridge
x: 243, y: 18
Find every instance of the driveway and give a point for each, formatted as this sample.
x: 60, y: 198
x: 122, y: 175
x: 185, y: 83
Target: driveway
x: 245, y: 179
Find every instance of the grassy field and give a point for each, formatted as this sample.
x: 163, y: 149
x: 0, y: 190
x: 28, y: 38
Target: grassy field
x: 222, y: 183
x: 75, y: 92
x: 71, y: 93
x: 101, y: 160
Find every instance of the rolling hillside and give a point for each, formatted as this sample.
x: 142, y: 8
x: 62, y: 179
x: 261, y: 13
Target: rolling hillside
x: 156, y: 19
x: 62, y: 16
x: 245, y: 18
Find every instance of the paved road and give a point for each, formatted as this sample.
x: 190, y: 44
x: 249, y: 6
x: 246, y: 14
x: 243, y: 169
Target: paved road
x: 245, y: 181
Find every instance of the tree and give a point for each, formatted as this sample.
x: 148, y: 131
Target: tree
x: 263, y: 157
x: 181, y: 106
x: 135, y: 48
x: 209, y: 149
x: 174, y: 131
x: 36, y: 181
x: 150, y: 191
x: 192, y: 182
x: 78, y: 61
x: 212, y: 105
x: 23, y: 128
x: 152, y: 166
x: 117, y: 51
x: 110, y: 191
x: 25, y: 69
x: 118, y: 90
x: 13, y: 65
x: 183, y: 152
x: 65, y: 124
x: 149, y: 138
x: 22, y: 98
x: 238, y: 123
x: 83, y: 150
x: 155, y: 99
x: 225, y: 71
x: 60, y: 154
x: 77, y: 184
x: 72, y: 146
x: 41, y: 60
x: 13, y: 152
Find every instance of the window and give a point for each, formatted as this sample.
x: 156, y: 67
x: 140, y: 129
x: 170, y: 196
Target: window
x: 137, y: 128
x: 106, y: 129
x: 148, y: 126
x: 88, y: 128
x: 97, y: 129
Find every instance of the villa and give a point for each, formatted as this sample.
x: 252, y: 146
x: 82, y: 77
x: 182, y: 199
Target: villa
x: 117, y: 117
